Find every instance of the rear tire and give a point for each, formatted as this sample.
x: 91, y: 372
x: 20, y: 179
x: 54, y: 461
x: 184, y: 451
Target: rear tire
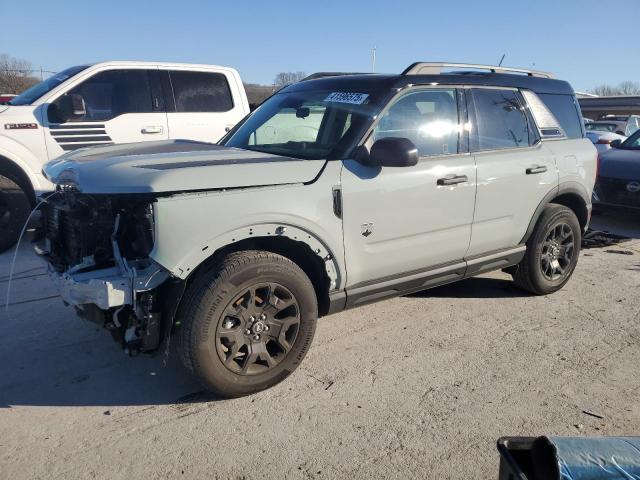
x: 14, y: 211
x: 552, y: 252
x: 247, y: 323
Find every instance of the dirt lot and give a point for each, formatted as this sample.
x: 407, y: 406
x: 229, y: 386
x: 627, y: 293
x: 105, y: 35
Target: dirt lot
x: 420, y: 386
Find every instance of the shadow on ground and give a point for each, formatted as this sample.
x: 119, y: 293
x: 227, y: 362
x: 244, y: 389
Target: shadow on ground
x: 48, y: 357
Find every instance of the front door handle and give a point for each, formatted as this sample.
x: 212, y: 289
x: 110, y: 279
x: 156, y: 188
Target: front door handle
x: 453, y: 180
x: 152, y: 129
x: 536, y: 169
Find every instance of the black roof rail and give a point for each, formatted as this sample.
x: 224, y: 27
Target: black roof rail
x: 313, y: 76
x: 435, y: 68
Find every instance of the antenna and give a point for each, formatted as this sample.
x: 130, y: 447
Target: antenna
x: 502, y: 59
x: 373, y: 60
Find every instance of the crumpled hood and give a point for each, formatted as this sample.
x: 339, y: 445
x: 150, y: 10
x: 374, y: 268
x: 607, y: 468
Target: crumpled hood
x: 175, y: 166
x: 620, y: 163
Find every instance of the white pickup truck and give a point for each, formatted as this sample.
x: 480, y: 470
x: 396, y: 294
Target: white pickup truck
x: 101, y: 104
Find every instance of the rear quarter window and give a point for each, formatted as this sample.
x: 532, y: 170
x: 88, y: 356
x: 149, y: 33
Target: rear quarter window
x: 566, y: 110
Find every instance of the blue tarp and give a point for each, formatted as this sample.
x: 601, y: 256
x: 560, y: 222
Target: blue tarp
x: 609, y: 458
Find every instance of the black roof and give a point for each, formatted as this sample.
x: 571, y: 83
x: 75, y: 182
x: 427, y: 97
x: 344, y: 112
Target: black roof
x: 379, y: 81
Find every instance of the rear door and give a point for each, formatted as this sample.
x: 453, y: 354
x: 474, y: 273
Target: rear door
x: 205, y: 104
x: 515, y: 170
x: 122, y: 106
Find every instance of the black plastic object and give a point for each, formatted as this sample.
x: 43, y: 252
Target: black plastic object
x: 569, y: 458
x: 394, y: 152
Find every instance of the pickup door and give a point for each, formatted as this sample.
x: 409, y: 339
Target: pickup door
x: 121, y: 106
x: 203, y: 104
x: 406, y: 228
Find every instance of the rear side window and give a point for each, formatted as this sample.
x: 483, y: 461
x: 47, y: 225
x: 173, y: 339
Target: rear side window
x: 201, y: 92
x: 429, y: 118
x: 500, y: 120
x: 567, y: 112
x: 114, y: 92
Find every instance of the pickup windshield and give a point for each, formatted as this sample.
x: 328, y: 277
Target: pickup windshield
x: 308, y: 124
x: 32, y: 94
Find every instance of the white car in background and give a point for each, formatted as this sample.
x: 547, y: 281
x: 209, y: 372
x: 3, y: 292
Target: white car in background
x: 602, y: 139
x: 625, y: 125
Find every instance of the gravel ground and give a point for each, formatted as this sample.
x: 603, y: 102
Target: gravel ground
x: 416, y: 386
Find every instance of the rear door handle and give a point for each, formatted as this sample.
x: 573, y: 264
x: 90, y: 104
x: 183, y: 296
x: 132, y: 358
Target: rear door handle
x: 453, y: 180
x: 536, y: 169
x: 151, y: 129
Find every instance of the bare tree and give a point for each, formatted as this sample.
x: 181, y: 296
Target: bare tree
x: 287, y: 78
x: 624, y: 88
x: 15, y: 74
x: 629, y: 88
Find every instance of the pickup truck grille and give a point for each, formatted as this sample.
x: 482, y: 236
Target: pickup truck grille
x: 614, y: 191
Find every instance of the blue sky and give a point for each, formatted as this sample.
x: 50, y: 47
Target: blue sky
x: 587, y: 42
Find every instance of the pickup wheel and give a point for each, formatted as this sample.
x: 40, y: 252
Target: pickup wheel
x: 552, y: 252
x: 14, y: 211
x: 247, y: 323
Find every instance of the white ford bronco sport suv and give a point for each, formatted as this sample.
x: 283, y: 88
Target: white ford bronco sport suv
x: 101, y: 104
x: 336, y: 192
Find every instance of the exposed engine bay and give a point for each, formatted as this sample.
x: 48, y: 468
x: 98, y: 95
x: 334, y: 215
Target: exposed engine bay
x: 98, y: 249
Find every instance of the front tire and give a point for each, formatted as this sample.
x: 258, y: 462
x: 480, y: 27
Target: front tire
x: 552, y: 252
x: 247, y: 323
x: 14, y: 211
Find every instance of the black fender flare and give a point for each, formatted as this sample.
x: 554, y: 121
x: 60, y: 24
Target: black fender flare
x: 571, y: 188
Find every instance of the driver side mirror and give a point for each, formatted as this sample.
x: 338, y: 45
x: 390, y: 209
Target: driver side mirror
x: 71, y: 107
x: 393, y: 152
x: 615, y: 143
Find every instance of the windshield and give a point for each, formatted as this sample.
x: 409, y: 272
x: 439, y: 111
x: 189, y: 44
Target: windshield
x: 32, y: 94
x: 602, y: 127
x: 632, y: 143
x: 320, y: 124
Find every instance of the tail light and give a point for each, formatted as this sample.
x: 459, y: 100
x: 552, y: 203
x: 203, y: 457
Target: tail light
x: 603, y: 141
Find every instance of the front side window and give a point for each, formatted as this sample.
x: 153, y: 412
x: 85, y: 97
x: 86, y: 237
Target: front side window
x: 309, y: 124
x: 500, y: 120
x: 429, y: 118
x: 201, y: 91
x: 112, y: 93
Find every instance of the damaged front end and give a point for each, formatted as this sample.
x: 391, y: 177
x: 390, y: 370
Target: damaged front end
x: 98, y: 248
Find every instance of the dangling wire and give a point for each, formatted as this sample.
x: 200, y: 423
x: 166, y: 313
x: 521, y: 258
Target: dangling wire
x: 15, y: 253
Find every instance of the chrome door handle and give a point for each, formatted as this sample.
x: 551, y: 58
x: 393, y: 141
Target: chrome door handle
x: 536, y: 169
x: 152, y: 129
x: 453, y: 180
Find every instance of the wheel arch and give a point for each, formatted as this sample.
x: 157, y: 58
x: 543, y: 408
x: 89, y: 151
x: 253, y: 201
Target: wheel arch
x: 570, y: 194
x: 16, y: 172
x: 298, y: 245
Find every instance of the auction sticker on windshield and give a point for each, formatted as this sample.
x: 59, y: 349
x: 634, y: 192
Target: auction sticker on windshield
x: 347, y: 97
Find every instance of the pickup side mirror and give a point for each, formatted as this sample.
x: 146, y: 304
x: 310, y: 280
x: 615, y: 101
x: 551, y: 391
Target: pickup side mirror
x: 71, y: 107
x: 393, y: 152
x: 615, y: 143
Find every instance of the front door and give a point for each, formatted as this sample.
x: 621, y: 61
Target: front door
x: 402, y: 222
x: 121, y: 106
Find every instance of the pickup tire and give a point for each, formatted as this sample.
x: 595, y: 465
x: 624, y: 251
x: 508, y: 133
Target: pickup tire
x: 247, y: 323
x: 552, y: 251
x: 14, y: 211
